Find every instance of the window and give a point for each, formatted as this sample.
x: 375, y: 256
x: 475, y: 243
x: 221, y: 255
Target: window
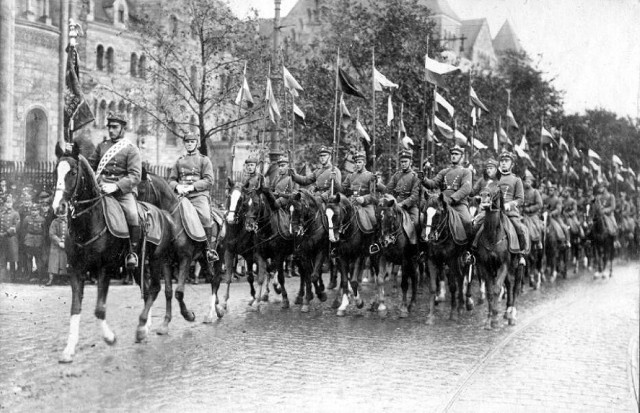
x: 111, y: 109
x: 133, y: 66
x: 142, y: 67
x: 110, y: 60
x: 100, y: 57
x: 121, y: 15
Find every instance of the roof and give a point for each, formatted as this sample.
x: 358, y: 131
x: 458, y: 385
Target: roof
x: 470, y: 30
x: 506, y: 39
x: 440, y: 7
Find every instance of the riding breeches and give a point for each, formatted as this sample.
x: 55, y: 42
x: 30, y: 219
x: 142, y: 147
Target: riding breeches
x: 202, y: 206
x: 130, y: 208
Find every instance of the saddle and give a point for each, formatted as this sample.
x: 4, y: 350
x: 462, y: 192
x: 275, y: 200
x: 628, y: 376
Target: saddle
x: 114, y: 217
x: 409, y: 227
x: 555, y: 227
x: 512, y: 236
x: 610, y: 225
x: 153, y: 218
x: 217, y: 216
x: 366, y: 218
x: 458, y: 232
x: 535, y: 227
x: 190, y: 221
x: 284, y: 224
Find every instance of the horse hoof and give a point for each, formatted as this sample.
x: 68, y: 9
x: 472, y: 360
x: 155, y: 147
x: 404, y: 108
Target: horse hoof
x: 365, y: 281
x: 65, y: 358
x: 359, y: 303
x: 382, y: 312
x: 207, y: 319
x: 162, y: 331
x: 285, y: 303
x: 469, y: 304
x: 221, y: 310
x: 322, y: 296
x: 277, y: 288
x: 506, y: 315
x: 340, y: 313
x: 298, y: 300
x: 112, y: 341
x: 305, y: 308
x: 141, y: 334
x: 336, y: 303
x: 189, y: 316
x: 332, y: 285
x: 253, y: 309
x: 265, y: 298
x: 430, y: 320
x: 404, y: 313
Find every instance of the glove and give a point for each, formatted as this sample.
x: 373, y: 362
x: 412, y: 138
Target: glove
x: 190, y: 188
x: 68, y: 147
x: 61, y: 244
x: 11, y: 231
x: 360, y: 200
x: 108, y: 188
x: 181, y: 189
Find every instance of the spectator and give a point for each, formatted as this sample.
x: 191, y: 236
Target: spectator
x: 4, y: 191
x: 33, y: 240
x: 58, y: 234
x: 9, y: 224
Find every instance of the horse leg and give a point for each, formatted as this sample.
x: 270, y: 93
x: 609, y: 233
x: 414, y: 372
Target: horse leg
x: 344, y: 287
x: 452, y: 278
x: 254, y: 305
x: 316, y: 276
x: 185, y: 262
x: 151, y: 292
x: 168, y: 296
x: 357, y: 274
x: 404, y: 284
x: 215, y: 280
x: 305, y: 293
x: 379, y: 277
x: 77, y: 292
x: 432, y: 271
x: 283, y: 290
x: 101, y: 310
x: 413, y: 276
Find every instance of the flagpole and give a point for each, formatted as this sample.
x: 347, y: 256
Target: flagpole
x: 541, y: 141
x: 286, y: 110
x: 399, y: 133
x: 266, y: 107
x: 433, y: 122
x: 64, y: 37
x: 373, y: 109
x: 500, y: 144
x: 424, y: 115
x: 335, y: 112
x: 508, y: 109
x: 293, y: 132
x: 235, y: 138
x: 473, y: 123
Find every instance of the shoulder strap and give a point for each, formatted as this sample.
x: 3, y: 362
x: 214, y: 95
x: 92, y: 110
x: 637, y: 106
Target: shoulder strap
x: 110, y: 154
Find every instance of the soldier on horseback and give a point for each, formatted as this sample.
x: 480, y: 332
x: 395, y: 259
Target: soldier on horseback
x: 321, y: 179
x: 361, y: 185
x: 489, y: 176
x: 192, y: 177
x: 605, y: 204
x: 455, y: 184
x: 553, y: 205
x: 251, y: 176
x: 532, y: 206
x: 118, y: 168
x: 570, y: 211
x: 282, y: 185
x: 404, y: 185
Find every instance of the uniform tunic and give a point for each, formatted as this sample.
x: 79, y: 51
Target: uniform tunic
x: 455, y: 183
x: 553, y: 205
x: 320, y: 180
x: 124, y: 170
x: 531, y: 208
x: 9, y: 225
x: 195, y: 169
x: 282, y: 184
x: 606, y: 203
x: 405, y: 187
x: 57, y: 254
x: 253, y: 180
x: 34, y: 231
x: 361, y: 184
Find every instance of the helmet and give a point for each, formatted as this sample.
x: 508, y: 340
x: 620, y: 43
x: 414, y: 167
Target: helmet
x: 190, y: 137
x: 251, y: 159
x: 117, y: 117
x: 491, y: 162
x: 456, y: 149
x: 405, y: 154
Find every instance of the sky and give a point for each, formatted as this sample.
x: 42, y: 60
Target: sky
x: 591, y: 48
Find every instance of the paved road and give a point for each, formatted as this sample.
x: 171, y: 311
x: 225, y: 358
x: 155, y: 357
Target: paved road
x: 575, y: 348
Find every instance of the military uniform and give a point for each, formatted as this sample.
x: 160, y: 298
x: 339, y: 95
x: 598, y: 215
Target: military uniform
x: 320, y: 180
x: 405, y: 187
x: 362, y: 184
x: 58, y: 232
x: 282, y: 184
x: 606, y: 204
x: 9, y: 225
x: 455, y: 184
x: 569, y: 213
x: 195, y: 169
x: 553, y: 205
x: 531, y: 207
x: 34, y: 238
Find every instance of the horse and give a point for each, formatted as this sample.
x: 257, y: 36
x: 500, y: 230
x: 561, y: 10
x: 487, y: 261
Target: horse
x: 92, y: 248
x: 272, y: 240
x: 602, y: 241
x: 534, y: 268
x: 156, y: 191
x: 396, y: 247
x: 496, y: 263
x: 555, y: 250
x: 350, y: 244
x: 441, y: 250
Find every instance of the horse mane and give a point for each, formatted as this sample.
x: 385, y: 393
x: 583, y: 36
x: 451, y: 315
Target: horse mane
x: 309, y: 195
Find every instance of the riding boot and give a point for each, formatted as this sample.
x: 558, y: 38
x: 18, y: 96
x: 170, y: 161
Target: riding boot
x: 522, y: 241
x: 211, y: 253
x: 134, y: 239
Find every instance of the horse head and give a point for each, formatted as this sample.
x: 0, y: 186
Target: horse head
x: 156, y: 191
x: 337, y: 216
x: 256, y: 210
x: 74, y: 181
x: 390, y: 218
x: 299, y: 211
x: 436, y: 212
x: 235, y: 204
x: 491, y: 199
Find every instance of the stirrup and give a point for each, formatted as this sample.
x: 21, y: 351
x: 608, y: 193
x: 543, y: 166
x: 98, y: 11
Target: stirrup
x: 374, y: 249
x: 131, y: 261
x: 212, y: 255
x: 522, y: 261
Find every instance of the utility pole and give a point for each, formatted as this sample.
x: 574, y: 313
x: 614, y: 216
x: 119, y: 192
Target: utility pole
x: 274, y: 144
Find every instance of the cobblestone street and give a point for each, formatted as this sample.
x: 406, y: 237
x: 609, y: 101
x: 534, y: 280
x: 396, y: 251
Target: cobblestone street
x: 575, y: 348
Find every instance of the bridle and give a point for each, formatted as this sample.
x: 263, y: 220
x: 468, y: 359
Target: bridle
x: 392, y: 236
x: 73, y: 199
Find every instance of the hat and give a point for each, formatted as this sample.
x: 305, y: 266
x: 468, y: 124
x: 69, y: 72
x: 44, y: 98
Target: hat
x: 283, y: 159
x: 8, y: 198
x: 457, y: 149
x: 43, y: 195
x: 507, y: 154
x: 491, y: 162
x: 325, y: 149
x: 251, y: 159
x: 528, y: 175
x: 119, y: 118
x: 62, y: 209
x: 360, y: 155
x: 34, y: 207
x: 405, y: 154
x: 551, y: 185
x: 190, y: 137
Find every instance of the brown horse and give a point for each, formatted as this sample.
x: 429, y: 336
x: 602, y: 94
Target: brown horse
x: 92, y: 248
x: 496, y: 264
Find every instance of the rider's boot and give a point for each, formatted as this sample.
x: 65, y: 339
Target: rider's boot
x: 212, y: 254
x: 521, y: 240
x: 134, y: 237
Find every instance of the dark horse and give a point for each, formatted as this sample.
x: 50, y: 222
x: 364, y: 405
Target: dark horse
x: 155, y: 190
x: 440, y: 251
x: 310, y: 244
x: 351, y: 247
x: 397, y: 249
x: 496, y: 264
x: 602, y: 242
x: 555, y: 251
x: 92, y: 248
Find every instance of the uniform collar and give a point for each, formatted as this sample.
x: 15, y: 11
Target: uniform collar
x: 192, y: 153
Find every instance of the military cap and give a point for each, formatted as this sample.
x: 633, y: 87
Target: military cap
x: 34, y: 207
x: 251, y: 159
x: 528, y: 175
x: 551, y: 185
x: 190, y: 137
x: 118, y: 118
x: 8, y: 198
x: 43, y: 195
x: 283, y: 159
x: 507, y: 154
x: 491, y: 162
x: 456, y: 149
x: 325, y: 149
x: 360, y: 155
x: 405, y: 154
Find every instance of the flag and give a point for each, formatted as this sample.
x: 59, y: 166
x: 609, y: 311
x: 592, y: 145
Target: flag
x: 616, y: 160
x: 460, y: 138
x: 389, y: 111
x: 594, y: 165
x: 563, y: 144
x: 573, y: 173
x: 431, y: 137
x: 363, y: 133
x: 477, y: 144
x: 619, y: 178
x: 299, y: 114
x: 593, y: 155
x: 548, y: 162
x: 443, y: 128
x: 401, y: 127
x: 347, y: 85
x: 381, y: 81
x: 511, y: 121
x: 270, y: 99
x: 76, y: 108
x: 522, y: 154
x: 442, y: 103
x: 504, y: 138
x: 343, y: 109
x: 473, y: 116
x: 574, y: 152
x: 495, y: 141
x: 290, y: 82
x: 244, y: 94
x: 475, y: 101
x: 547, y: 137
x: 407, y: 142
x: 436, y: 71
x: 585, y: 169
x: 524, y: 145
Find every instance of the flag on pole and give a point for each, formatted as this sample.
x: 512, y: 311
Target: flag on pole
x: 594, y: 165
x: 389, y: 111
x: 76, y: 108
x: 524, y: 145
x: 270, y: 99
x: 573, y: 173
x: 443, y: 128
x: 548, y: 162
x: 495, y: 141
x: 563, y: 144
x: 290, y: 83
x: 547, y: 137
x: 511, y: 120
x: 475, y: 101
x: 504, y: 138
x: 474, y: 118
x: 401, y: 127
x: 299, y: 114
x: 431, y: 137
x: 442, y: 104
x: 616, y: 160
x: 593, y: 155
x: 460, y: 138
x: 347, y: 85
x: 244, y: 94
x: 407, y: 142
x: 343, y: 109
x: 574, y: 152
x: 363, y: 133
x: 478, y: 144
x: 522, y: 154
x: 436, y: 71
x: 380, y: 81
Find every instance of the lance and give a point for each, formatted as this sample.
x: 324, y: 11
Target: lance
x: 234, y: 137
x: 373, y: 109
x: 400, y: 133
x: 286, y: 109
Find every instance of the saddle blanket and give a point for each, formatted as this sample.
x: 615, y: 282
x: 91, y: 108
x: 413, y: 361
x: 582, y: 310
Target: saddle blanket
x: 555, y: 228
x: 456, y: 227
x: 217, y: 215
x: 114, y: 217
x: 191, y: 222
x: 409, y: 227
x: 154, y: 218
x: 366, y: 218
x: 610, y: 225
x: 512, y: 236
x: 535, y: 227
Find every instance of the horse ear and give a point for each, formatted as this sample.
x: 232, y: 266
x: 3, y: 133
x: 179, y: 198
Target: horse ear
x: 230, y: 182
x: 390, y: 203
x: 297, y: 196
x: 338, y: 198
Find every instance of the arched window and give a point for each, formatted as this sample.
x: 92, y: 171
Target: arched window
x: 110, y: 63
x: 112, y: 109
x: 122, y: 108
x: 173, y: 25
x: 133, y: 70
x: 100, y: 57
x: 121, y: 14
x: 142, y: 67
x: 36, y: 136
x: 102, y: 114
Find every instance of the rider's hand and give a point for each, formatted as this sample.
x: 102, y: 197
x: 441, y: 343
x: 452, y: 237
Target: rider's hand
x: 109, y: 188
x: 190, y: 188
x: 508, y: 206
x: 360, y: 200
x: 61, y: 244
